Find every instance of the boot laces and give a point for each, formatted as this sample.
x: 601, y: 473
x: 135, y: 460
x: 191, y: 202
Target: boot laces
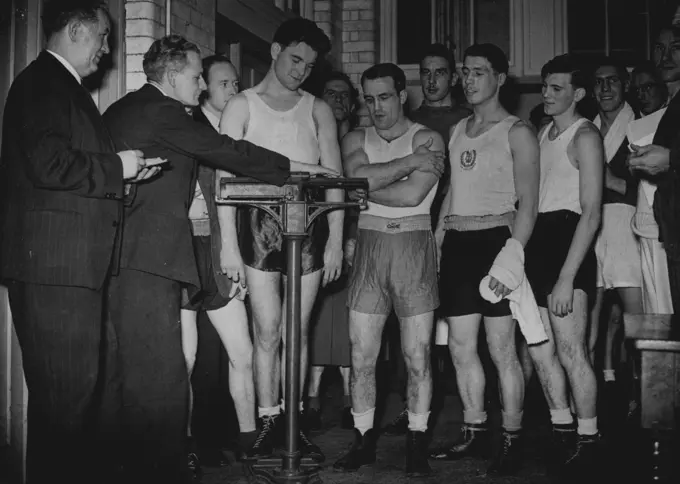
x: 267, y: 427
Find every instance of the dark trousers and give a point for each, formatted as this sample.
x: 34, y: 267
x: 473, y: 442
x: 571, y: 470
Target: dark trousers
x: 60, y: 332
x: 147, y: 384
x: 674, y: 279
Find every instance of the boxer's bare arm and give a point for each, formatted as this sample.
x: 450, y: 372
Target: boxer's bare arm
x: 380, y: 175
x: 587, y: 150
x: 411, y: 191
x: 327, y: 134
x: 526, y: 170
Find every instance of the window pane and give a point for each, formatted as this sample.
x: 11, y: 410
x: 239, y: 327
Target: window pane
x: 586, y: 26
x: 628, y: 33
x: 492, y: 23
x: 414, y: 30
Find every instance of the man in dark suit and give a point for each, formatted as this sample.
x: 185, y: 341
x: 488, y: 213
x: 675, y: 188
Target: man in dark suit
x: 157, y: 254
x: 61, y: 183
x: 661, y: 159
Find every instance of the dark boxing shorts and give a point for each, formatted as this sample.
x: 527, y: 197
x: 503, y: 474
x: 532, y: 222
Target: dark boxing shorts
x: 547, y: 251
x: 208, y: 297
x: 467, y: 257
x: 263, y: 248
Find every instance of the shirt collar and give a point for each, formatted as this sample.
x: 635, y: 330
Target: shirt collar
x: 67, y: 65
x: 214, y: 120
x: 157, y: 86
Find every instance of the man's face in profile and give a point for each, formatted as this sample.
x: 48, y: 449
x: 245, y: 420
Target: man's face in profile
x: 89, y: 43
x: 188, y: 83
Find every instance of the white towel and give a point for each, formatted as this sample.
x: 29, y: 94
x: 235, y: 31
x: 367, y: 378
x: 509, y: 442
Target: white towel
x: 508, y: 268
x: 617, y: 131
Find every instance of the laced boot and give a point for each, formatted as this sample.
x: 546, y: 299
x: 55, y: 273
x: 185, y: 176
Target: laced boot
x: 360, y: 454
x: 398, y: 426
x: 269, y: 435
x: 584, y: 458
x: 563, y: 445
x: 309, y: 448
x: 474, y: 442
x: 416, y: 455
x: 509, y: 458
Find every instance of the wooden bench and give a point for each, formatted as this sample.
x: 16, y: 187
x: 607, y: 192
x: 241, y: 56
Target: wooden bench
x: 657, y: 339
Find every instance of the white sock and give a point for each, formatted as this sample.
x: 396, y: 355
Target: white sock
x: 417, y: 422
x: 363, y: 422
x: 268, y: 411
x: 609, y: 375
x: 474, y: 416
x: 283, y: 406
x: 561, y: 416
x: 587, y: 426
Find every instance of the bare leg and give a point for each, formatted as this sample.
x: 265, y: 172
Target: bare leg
x: 189, y: 348
x: 315, y: 374
x: 571, y: 339
x: 365, y: 333
x: 548, y: 368
x: 594, y: 326
x: 463, y: 334
x: 613, y: 326
x: 265, y: 303
x: 345, y: 372
x: 525, y: 359
x: 231, y: 323
x: 631, y: 298
x: 309, y: 288
x: 416, y: 332
x: 500, y: 336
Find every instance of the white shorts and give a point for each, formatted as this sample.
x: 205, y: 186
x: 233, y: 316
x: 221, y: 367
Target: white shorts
x: 617, y: 248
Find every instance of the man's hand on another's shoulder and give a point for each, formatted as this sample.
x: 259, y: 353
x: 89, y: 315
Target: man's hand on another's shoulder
x: 428, y: 159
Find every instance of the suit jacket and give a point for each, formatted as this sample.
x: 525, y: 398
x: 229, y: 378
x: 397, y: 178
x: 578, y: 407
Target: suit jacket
x: 156, y: 234
x: 667, y: 197
x: 61, y: 181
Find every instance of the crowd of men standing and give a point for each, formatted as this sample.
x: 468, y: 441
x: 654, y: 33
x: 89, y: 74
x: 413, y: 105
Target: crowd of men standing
x: 112, y: 242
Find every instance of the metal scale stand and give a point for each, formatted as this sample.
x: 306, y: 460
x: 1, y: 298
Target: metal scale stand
x: 290, y: 206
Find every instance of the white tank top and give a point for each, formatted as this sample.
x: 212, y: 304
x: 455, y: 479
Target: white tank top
x: 379, y: 150
x: 290, y: 133
x: 482, y: 176
x: 559, y: 187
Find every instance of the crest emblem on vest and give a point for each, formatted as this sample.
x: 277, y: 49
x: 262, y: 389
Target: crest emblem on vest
x: 468, y: 159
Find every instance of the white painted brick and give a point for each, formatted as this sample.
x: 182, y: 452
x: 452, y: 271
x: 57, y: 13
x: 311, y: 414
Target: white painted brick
x: 138, y: 45
x: 357, y: 67
x: 322, y: 6
x: 358, y: 46
x: 357, y: 24
x: 134, y: 62
x: 134, y: 80
x: 140, y: 27
x: 366, y: 14
x: 358, y: 5
x: 148, y: 10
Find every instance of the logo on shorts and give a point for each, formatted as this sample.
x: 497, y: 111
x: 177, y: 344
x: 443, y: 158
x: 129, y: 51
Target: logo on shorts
x: 393, y: 225
x: 468, y: 159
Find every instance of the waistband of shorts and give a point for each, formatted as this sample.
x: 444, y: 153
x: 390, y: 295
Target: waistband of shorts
x: 395, y: 225
x: 200, y: 227
x: 465, y: 223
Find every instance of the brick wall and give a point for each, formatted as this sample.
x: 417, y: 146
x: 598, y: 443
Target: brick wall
x: 358, y: 37
x: 145, y: 22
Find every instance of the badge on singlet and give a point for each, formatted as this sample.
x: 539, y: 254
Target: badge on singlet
x: 468, y: 159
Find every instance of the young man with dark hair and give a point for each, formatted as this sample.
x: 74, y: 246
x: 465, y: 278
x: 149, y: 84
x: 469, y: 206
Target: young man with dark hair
x: 648, y: 90
x: 61, y: 191
x: 488, y: 215
x: 279, y: 115
x: 617, y: 248
x: 561, y: 264
x: 394, y: 264
x: 438, y: 111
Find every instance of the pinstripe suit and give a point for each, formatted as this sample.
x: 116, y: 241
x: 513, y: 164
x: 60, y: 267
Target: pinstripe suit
x: 61, y: 184
x: 156, y: 257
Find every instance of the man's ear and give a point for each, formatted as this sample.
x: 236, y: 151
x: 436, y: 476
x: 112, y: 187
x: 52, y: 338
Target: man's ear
x: 275, y: 50
x: 403, y: 96
x: 171, y: 74
x: 502, y: 77
x: 579, y: 94
x: 73, y: 29
x: 454, y: 78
